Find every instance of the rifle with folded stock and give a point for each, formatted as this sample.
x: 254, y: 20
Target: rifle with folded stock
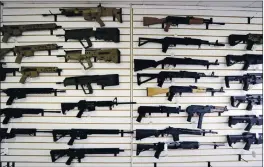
x: 20, y: 93
x: 169, y: 75
x: 175, y: 21
x: 249, y: 39
x: 162, y: 146
x: 143, y: 110
x: 28, y: 50
x: 174, y: 90
x: 247, y: 137
x: 17, y: 30
x: 248, y: 59
x: 250, y: 120
x: 89, y: 106
x: 106, y: 34
x: 34, y: 72
x: 87, y: 80
x: 4, y: 71
x: 19, y: 112
x: 79, y: 134
x: 246, y: 80
x: 79, y: 153
x: 107, y: 55
x: 251, y: 99
x: 141, y: 64
x: 172, y: 41
x: 90, y: 14
x: 174, y: 132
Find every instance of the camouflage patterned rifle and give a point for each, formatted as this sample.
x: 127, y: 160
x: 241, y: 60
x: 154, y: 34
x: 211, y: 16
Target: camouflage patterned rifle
x: 249, y: 39
x: 107, y: 55
x: 90, y: 14
x: 33, y: 72
x: 17, y: 30
x: 28, y: 50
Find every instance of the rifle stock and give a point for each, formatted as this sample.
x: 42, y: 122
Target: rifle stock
x: 156, y: 91
x: 147, y: 21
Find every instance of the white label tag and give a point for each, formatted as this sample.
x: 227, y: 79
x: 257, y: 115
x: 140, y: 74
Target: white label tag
x: 165, y: 149
x: 9, y: 128
x: 254, y: 154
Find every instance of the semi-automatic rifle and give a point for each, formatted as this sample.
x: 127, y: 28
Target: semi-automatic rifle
x: 79, y: 153
x: 249, y: 39
x: 20, y: 93
x: 175, y: 21
x: 174, y: 132
x: 87, y: 80
x: 200, y: 111
x: 161, y: 146
x: 250, y: 120
x: 247, y: 137
x: 79, y: 134
x: 246, y: 80
x: 89, y: 106
x: 28, y: 50
x: 107, y: 55
x: 251, y: 99
x: 143, y: 110
x: 17, y: 30
x: 247, y: 59
x: 141, y: 64
x: 106, y: 34
x: 172, y: 41
x: 33, y: 72
x: 4, y: 71
x: 19, y: 112
x: 90, y: 14
x: 174, y: 90
x: 169, y: 75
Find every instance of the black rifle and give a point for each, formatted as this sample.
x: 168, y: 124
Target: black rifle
x: 174, y: 132
x: 79, y: 134
x: 17, y: 30
x: 107, y: 34
x: 174, y: 90
x: 20, y: 93
x: 201, y: 110
x: 174, y: 20
x: 251, y: 120
x: 87, y: 80
x: 143, y: 110
x: 168, y: 75
x: 141, y: 64
x: 4, y: 71
x: 19, y: 112
x: 89, y: 106
x: 249, y: 39
x: 251, y: 99
x: 246, y: 80
x: 79, y: 153
x: 4, y: 134
x: 248, y: 59
x: 247, y: 137
x: 161, y: 146
x: 172, y: 41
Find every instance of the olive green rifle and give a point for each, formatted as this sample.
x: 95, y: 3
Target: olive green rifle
x: 33, y: 72
x: 27, y: 50
x: 107, y: 55
x: 91, y: 13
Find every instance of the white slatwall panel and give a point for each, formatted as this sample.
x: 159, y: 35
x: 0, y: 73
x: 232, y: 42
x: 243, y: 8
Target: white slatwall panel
x: 236, y: 24
x: 34, y: 151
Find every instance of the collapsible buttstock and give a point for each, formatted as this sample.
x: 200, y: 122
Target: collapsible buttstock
x: 156, y: 91
x: 152, y: 20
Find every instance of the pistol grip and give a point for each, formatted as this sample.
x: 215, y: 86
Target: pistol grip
x: 249, y: 106
x: 246, y: 65
x: 249, y: 126
x: 170, y: 97
x: 176, y: 137
x: 6, y: 120
x: 71, y: 141
x: 139, y: 118
x: 69, y: 160
x: 6, y: 37
x: 227, y: 82
x: 10, y: 100
x: 89, y: 62
x: 19, y: 59
x: 100, y: 21
x: 80, y: 113
x: 200, y: 121
x: 167, y: 26
x: 246, y: 85
x: 248, y: 145
x: 165, y: 48
x: 23, y: 79
x: 189, y: 118
x: 157, y: 154
x: 249, y: 45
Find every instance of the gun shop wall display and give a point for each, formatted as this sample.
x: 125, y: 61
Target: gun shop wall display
x: 125, y: 84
